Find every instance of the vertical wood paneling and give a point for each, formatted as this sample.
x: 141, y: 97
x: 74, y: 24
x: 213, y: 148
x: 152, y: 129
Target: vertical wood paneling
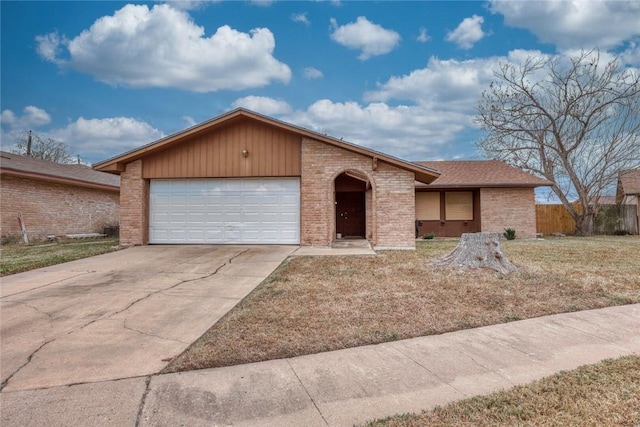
x: 218, y: 153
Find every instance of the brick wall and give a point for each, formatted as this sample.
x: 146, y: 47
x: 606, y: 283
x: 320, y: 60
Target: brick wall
x: 52, y: 209
x: 508, y: 208
x: 390, y: 204
x: 134, y: 200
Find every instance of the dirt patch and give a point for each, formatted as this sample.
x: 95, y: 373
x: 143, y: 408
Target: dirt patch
x: 315, y: 304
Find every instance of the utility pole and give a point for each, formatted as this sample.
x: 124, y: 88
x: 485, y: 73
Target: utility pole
x: 29, y: 144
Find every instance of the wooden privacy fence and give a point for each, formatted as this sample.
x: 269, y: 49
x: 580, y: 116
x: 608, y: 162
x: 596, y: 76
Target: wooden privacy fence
x: 610, y: 219
x: 554, y: 219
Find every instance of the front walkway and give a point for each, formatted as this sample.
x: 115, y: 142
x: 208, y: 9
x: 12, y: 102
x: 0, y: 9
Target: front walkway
x: 339, y: 247
x: 343, y: 387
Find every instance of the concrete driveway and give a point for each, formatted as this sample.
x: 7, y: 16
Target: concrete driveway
x: 123, y: 314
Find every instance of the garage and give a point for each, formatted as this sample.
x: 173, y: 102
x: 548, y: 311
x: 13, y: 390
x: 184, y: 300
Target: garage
x: 224, y: 210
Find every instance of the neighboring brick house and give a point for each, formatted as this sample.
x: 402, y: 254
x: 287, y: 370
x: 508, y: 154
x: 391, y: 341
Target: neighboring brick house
x: 628, y: 191
x: 477, y: 195
x: 54, y: 199
x: 246, y: 178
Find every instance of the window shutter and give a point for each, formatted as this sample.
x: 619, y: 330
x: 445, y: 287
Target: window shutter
x: 459, y: 205
x: 428, y: 206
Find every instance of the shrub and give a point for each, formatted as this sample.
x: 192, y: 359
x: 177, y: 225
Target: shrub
x: 509, y: 233
x: 430, y: 235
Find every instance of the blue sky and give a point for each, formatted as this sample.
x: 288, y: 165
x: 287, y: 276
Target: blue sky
x: 400, y: 77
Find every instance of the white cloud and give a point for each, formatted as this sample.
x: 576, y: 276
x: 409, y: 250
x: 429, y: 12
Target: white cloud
x: 8, y: 117
x: 404, y: 131
x: 99, y: 139
x: 263, y: 105
x: 371, y: 39
x: 311, y: 73
x: 423, y: 37
x: 416, y: 116
x: 163, y: 47
x: 467, y: 33
x: 92, y: 139
x: 32, y: 117
x: 301, y: 18
x: 631, y: 55
x: 50, y: 46
x: 576, y: 23
x: 189, y: 120
x: 448, y: 85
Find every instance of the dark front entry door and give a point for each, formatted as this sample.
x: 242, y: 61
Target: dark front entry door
x: 350, y: 214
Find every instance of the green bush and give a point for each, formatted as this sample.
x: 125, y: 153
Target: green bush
x: 509, y: 233
x: 430, y: 235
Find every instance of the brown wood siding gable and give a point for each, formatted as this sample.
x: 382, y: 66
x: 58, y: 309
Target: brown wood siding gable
x: 271, y: 152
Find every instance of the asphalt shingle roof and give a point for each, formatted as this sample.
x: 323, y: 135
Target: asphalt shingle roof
x: 480, y: 173
x: 630, y: 181
x: 43, y: 169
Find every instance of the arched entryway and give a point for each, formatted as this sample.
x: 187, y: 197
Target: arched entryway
x: 350, y: 205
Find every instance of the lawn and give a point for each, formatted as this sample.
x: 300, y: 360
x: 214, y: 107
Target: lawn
x: 17, y: 258
x: 315, y: 304
x: 607, y: 393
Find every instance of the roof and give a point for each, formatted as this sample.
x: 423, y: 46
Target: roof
x: 71, y: 174
x: 630, y: 181
x: 605, y: 200
x: 116, y: 164
x: 480, y: 173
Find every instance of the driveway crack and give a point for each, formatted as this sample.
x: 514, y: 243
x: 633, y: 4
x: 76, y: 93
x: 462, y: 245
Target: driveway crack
x: 124, y: 325
x: 33, y: 353
x: 36, y: 309
x: 30, y: 357
x: 206, y: 276
x: 48, y: 284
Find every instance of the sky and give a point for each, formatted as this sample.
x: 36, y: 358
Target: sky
x: 403, y: 78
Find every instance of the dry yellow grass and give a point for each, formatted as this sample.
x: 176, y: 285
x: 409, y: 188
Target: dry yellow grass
x: 604, y: 394
x: 316, y: 304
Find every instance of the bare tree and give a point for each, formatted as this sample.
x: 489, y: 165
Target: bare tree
x: 43, y: 148
x: 573, y: 121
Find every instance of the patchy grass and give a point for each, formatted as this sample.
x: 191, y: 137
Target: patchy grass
x: 315, y: 304
x: 19, y: 258
x: 607, y: 393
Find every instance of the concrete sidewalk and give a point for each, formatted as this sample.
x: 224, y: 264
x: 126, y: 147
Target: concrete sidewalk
x: 342, y: 387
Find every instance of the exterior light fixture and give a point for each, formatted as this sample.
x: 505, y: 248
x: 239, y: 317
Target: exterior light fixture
x: 245, y: 153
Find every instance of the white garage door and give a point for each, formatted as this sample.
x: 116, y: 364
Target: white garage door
x: 225, y: 210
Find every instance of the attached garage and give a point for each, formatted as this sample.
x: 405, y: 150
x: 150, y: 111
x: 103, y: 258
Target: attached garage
x: 225, y: 210
x: 244, y: 178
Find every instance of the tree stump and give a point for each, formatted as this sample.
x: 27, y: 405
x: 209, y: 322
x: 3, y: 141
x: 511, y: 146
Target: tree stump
x: 478, y: 250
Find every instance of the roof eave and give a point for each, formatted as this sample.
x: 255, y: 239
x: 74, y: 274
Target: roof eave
x: 58, y: 179
x: 117, y: 164
x: 511, y: 185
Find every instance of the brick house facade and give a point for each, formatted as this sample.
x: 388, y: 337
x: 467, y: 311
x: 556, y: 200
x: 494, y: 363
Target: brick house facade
x: 245, y: 147
x: 486, y: 196
x: 503, y: 208
x: 246, y: 178
x: 389, y: 201
x: 54, y: 199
